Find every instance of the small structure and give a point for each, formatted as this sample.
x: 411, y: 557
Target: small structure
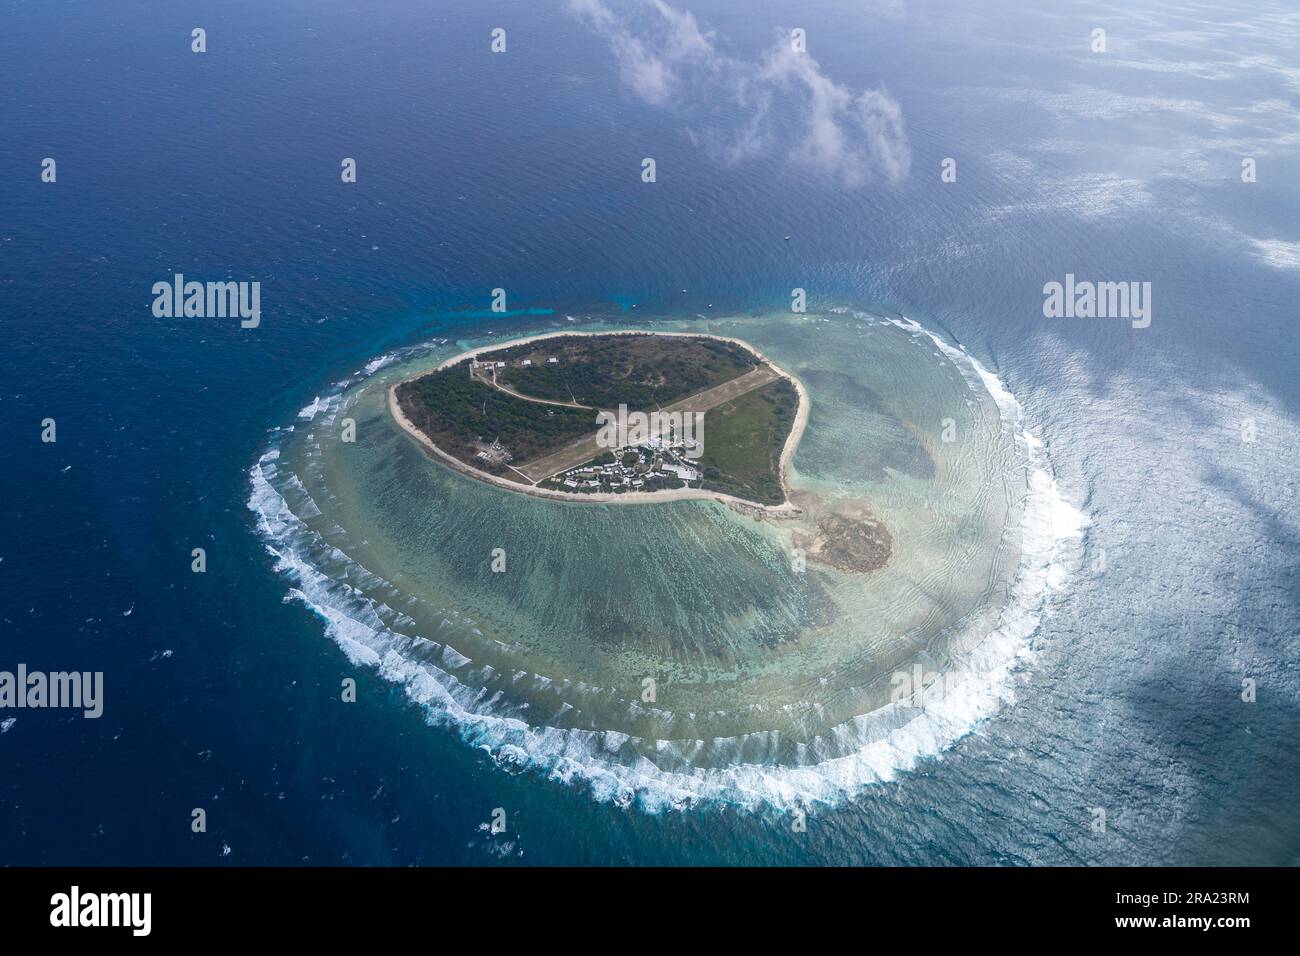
x: 527, y: 362
x: 552, y: 360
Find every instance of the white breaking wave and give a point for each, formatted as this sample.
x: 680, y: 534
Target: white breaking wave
x: 881, y: 743
x: 381, y: 362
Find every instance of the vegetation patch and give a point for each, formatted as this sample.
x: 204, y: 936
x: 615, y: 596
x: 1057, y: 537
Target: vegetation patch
x: 640, y: 371
x: 483, y: 426
x: 743, y: 440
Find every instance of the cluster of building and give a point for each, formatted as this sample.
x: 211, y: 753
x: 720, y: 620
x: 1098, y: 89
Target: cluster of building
x: 476, y: 365
x: 649, y: 462
x: 495, y: 453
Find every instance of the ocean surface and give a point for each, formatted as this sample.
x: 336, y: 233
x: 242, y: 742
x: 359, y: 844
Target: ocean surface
x: 1159, y: 460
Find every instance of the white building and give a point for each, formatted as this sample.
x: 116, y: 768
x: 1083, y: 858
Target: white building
x: 684, y: 472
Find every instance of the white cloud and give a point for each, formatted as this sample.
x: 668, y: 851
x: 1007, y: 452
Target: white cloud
x: 847, y: 134
x: 784, y: 100
x: 648, y: 64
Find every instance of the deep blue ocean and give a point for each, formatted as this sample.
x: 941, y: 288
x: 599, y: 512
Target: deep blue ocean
x: 522, y: 170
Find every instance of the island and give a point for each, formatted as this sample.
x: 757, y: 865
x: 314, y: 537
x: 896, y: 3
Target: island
x: 613, y: 417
